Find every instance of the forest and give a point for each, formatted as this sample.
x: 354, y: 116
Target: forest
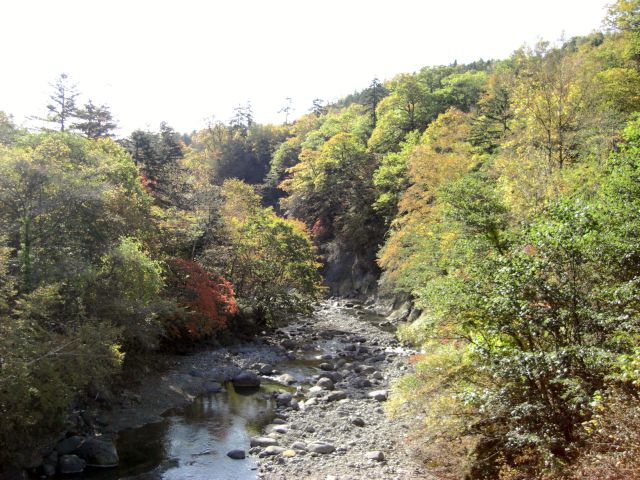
x: 501, y: 198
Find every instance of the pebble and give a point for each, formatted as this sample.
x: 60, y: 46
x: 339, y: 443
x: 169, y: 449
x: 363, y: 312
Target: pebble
x: 273, y: 450
x: 336, y: 395
x: 325, y: 383
x: 379, y: 395
x: 358, y: 422
x: 263, y: 441
x: 321, y: 447
x: 376, y: 455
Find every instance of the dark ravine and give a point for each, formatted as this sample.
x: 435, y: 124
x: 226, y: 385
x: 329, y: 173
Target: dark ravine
x: 324, y: 381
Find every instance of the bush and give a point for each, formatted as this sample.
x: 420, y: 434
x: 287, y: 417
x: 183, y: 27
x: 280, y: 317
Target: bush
x: 207, y: 299
x: 43, y: 370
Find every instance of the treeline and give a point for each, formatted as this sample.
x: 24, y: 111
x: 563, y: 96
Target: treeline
x: 109, y: 249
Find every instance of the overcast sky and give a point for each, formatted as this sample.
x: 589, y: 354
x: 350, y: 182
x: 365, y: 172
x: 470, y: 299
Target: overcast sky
x: 186, y: 61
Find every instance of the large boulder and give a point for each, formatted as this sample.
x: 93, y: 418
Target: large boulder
x: 68, y: 445
x: 246, y: 379
x: 71, y: 464
x: 98, y: 452
x: 284, y: 399
x: 236, y: 454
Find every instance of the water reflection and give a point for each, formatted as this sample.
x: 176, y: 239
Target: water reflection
x: 193, y: 443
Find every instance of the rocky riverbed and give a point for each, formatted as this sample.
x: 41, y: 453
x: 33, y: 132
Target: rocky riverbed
x: 338, y: 429
x: 319, y: 412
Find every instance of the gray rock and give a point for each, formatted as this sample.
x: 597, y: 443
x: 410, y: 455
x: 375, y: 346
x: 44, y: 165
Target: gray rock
x: 321, y: 447
x: 280, y: 429
x: 361, y: 383
x: 284, y: 399
x: 299, y: 446
x: 379, y: 395
x: 316, y: 391
x: 266, y: 369
x: 286, y: 379
x: 336, y: 395
x: 49, y: 469
x: 376, y: 455
x: 326, y: 366
x: 212, y: 387
x: 358, y: 422
x: 378, y: 375
x: 335, y: 377
x: 68, y: 445
x: 325, y: 383
x: 246, y: 379
x: 71, y: 464
x: 98, y: 453
x: 273, y: 450
x: 238, y: 454
x: 263, y: 441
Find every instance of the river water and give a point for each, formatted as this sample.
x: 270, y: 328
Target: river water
x: 192, y: 443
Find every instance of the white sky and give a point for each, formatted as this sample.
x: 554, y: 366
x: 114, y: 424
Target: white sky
x: 184, y: 61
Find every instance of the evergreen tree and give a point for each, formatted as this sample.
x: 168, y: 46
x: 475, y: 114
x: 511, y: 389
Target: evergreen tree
x: 96, y: 121
x: 63, y: 102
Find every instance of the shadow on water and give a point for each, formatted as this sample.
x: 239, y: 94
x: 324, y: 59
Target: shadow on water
x: 193, y: 442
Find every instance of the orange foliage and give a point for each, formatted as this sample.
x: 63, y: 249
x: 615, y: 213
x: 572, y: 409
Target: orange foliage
x: 208, y: 298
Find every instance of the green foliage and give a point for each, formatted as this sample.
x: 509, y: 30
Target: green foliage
x: 95, y: 121
x: 270, y: 261
x: 473, y: 202
x: 390, y: 178
x: 43, y: 369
